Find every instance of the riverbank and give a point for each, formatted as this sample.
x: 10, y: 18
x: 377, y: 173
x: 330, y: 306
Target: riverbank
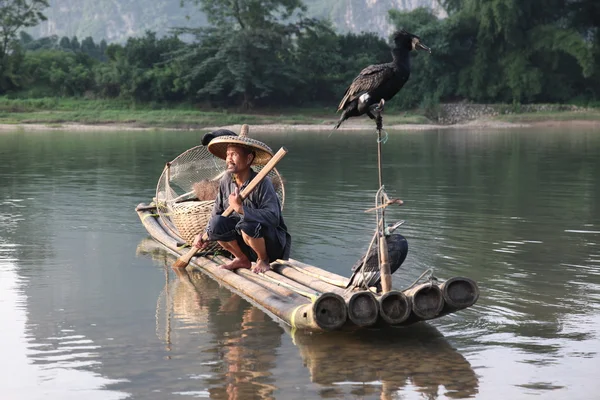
x: 100, y: 115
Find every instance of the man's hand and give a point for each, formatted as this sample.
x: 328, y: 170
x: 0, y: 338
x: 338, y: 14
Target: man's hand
x: 201, y: 241
x: 235, y: 201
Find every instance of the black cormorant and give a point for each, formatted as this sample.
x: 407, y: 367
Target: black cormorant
x: 365, y: 272
x: 381, y: 81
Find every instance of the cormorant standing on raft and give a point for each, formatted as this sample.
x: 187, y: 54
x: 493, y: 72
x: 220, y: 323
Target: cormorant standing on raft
x: 381, y: 81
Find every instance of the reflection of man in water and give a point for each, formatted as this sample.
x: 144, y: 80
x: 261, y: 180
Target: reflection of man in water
x: 248, y: 351
x: 246, y: 374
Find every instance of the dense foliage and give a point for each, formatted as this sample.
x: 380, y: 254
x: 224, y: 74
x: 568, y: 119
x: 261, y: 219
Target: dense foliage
x: 256, y: 53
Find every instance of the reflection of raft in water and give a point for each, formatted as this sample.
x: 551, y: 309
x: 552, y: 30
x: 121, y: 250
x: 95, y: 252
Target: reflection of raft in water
x: 309, y: 298
x: 387, y: 361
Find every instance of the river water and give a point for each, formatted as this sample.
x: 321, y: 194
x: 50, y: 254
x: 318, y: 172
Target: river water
x: 90, y: 308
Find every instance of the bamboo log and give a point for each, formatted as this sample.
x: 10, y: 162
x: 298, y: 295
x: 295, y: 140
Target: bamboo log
x: 301, y: 315
x: 326, y: 276
x: 394, y: 307
x: 459, y: 292
x: 278, y: 289
x: 426, y: 299
x: 363, y: 308
x: 282, y: 281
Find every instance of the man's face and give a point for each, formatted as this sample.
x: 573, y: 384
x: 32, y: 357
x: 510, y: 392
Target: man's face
x: 237, y: 160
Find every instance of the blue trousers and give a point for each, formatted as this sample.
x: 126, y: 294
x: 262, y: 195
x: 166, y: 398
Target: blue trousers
x: 227, y: 229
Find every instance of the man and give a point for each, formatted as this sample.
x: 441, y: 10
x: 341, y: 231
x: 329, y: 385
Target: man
x: 255, y: 231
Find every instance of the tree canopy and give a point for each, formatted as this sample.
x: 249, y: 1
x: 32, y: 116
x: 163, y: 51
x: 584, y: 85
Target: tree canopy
x: 257, y: 53
x: 15, y: 15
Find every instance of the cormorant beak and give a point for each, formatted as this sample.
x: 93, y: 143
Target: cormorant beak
x: 423, y: 47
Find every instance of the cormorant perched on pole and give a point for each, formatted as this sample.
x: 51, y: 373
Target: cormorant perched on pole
x: 381, y: 81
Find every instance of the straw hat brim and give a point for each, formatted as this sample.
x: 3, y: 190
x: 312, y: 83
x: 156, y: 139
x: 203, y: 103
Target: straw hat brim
x: 218, y: 147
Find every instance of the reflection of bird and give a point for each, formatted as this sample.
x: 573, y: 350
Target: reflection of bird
x: 368, y: 274
x: 381, y: 81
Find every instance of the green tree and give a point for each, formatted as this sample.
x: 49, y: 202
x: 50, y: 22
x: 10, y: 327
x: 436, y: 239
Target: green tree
x: 75, y: 45
x: 434, y: 77
x: 15, y: 15
x: 318, y: 62
x: 89, y: 47
x: 140, y: 71
x: 65, y: 43
x: 523, y: 51
x: 246, y: 53
x: 52, y: 72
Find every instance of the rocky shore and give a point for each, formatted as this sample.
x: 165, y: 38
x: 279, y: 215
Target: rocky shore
x: 460, y: 113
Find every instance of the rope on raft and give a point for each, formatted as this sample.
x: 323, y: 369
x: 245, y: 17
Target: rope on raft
x: 382, y: 200
x: 431, y: 278
x: 379, y: 233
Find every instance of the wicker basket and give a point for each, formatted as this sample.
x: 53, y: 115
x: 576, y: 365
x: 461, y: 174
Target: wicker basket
x: 191, y: 217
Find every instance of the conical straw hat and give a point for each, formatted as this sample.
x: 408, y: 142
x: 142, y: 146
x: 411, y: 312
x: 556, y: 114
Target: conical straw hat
x: 218, y: 146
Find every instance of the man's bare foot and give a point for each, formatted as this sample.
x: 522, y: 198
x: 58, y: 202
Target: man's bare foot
x: 237, y: 263
x: 261, y: 266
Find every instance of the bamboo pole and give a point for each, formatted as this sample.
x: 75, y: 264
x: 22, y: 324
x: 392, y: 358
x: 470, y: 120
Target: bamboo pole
x: 384, y: 265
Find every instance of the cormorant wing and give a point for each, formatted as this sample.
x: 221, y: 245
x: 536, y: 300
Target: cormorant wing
x: 369, y: 78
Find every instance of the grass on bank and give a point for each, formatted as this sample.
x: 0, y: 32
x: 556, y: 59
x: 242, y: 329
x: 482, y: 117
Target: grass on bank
x: 591, y: 114
x: 95, y: 112
x: 56, y: 111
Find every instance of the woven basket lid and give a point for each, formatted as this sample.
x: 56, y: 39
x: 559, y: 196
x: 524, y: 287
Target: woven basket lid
x: 218, y: 146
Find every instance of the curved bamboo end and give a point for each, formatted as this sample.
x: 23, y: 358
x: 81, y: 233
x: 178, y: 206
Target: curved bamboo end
x: 330, y: 311
x: 427, y: 300
x: 460, y: 292
x: 363, y: 308
x: 395, y: 307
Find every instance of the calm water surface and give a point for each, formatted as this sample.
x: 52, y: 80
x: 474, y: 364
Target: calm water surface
x: 90, y: 308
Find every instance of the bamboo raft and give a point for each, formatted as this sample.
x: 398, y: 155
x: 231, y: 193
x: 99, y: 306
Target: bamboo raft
x: 306, y: 297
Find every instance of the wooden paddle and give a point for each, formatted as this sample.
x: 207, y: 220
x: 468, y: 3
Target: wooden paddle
x: 184, y: 260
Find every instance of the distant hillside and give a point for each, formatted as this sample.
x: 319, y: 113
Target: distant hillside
x: 115, y: 20
x: 365, y: 15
